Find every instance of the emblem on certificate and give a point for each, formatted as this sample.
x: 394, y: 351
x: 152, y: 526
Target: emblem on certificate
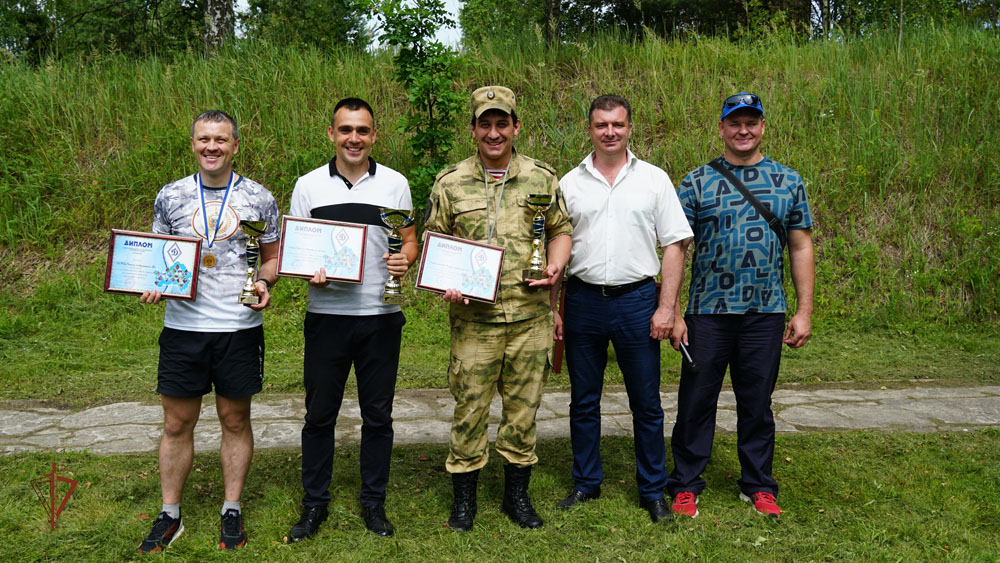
x: 139, y: 262
x: 395, y: 219
x: 253, y: 230
x: 540, y: 203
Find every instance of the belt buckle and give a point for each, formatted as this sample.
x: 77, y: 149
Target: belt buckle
x: 604, y: 291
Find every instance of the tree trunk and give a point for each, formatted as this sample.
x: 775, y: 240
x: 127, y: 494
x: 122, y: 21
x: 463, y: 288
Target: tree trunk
x: 826, y: 16
x: 220, y: 24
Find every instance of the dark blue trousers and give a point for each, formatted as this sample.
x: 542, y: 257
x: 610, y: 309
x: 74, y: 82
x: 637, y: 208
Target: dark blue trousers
x: 332, y: 344
x: 750, y: 346
x: 591, y: 321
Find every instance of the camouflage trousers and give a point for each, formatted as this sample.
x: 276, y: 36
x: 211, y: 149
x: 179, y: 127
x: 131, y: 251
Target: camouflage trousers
x: 512, y: 359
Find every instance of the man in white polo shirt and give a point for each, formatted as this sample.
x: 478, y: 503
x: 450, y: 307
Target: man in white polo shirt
x: 348, y: 324
x: 621, y: 208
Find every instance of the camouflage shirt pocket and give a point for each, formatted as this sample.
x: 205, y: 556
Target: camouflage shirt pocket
x: 470, y: 218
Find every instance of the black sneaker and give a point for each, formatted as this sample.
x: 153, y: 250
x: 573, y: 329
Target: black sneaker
x: 232, y: 535
x: 165, y: 531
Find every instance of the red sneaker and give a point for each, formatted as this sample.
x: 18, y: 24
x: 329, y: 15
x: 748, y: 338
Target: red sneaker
x: 763, y: 502
x: 685, y: 504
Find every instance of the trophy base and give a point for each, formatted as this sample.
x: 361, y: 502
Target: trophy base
x: 393, y: 298
x: 529, y: 274
x: 249, y: 299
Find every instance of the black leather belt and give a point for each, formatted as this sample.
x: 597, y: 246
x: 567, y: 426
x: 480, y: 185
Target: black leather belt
x: 612, y: 290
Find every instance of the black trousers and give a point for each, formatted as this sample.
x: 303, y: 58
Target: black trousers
x: 750, y: 346
x: 332, y: 344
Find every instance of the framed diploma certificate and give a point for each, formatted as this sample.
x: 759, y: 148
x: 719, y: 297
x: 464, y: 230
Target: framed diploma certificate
x: 453, y: 263
x: 310, y: 244
x: 139, y: 262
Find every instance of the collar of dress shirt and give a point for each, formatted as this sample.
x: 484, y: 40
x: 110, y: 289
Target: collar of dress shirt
x: 588, y: 164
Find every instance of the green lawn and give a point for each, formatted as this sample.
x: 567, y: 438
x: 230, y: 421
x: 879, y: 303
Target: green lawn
x: 845, y: 496
x: 74, y: 345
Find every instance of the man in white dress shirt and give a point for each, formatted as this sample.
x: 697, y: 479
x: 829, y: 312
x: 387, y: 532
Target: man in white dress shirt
x: 622, y: 209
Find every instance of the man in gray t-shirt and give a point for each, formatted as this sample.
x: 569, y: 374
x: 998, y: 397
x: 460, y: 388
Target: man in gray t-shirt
x: 212, y: 341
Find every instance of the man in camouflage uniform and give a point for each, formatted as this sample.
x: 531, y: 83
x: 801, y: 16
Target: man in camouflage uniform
x: 503, y: 346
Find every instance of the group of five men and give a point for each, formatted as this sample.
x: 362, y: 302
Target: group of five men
x: 615, y: 223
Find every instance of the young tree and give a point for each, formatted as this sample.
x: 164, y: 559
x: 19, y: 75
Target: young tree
x: 428, y: 70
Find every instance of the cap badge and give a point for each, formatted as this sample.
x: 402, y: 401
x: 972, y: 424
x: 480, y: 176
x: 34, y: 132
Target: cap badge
x: 490, y: 94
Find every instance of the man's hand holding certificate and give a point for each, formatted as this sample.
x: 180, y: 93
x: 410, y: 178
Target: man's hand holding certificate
x: 151, y: 265
x: 312, y: 246
x: 449, y: 263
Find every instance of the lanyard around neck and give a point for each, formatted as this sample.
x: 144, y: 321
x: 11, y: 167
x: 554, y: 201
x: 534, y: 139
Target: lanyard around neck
x: 496, y: 214
x: 204, y: 212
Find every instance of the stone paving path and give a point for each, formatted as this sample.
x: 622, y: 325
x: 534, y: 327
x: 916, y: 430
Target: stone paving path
x: 424, y: 416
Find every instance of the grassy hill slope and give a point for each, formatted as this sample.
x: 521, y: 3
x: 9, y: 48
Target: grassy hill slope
x: 897, y: 149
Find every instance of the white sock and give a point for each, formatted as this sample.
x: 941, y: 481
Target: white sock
x: 230, y: 504
x: 172, y: 510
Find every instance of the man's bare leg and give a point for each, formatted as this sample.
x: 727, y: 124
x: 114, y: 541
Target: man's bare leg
x: 180, y: 414
x: 236, y: 450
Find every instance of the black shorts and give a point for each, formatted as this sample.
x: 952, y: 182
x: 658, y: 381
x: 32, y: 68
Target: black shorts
x: 192, y: 362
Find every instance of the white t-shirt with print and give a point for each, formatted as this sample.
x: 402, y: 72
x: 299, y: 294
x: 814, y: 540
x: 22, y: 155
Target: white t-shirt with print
x: 178, y: 211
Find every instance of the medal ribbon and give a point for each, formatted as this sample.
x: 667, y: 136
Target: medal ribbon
x: 496, y: 215
x: 204, y: 212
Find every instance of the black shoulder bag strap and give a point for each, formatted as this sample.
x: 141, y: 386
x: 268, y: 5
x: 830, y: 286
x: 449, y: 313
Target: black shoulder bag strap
x: 764, y: 212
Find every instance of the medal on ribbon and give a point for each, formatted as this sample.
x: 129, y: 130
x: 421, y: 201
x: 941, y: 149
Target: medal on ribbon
x: 209, y: 260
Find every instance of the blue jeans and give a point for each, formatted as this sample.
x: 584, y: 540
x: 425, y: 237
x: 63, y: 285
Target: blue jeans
x: 750, y: 346
x: 591, y: 321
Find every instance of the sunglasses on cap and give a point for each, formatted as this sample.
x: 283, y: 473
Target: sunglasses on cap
x: 745, y: 99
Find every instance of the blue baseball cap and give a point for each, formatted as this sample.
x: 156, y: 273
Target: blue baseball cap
x: 740, y: 101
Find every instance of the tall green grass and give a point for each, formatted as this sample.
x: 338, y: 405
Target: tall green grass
x: 897, y: 151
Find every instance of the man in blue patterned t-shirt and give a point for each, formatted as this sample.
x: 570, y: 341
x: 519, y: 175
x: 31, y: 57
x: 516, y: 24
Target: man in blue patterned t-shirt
x: 736, y: 306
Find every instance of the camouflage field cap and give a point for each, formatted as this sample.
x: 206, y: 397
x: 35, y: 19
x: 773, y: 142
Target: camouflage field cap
x: 492, y: 97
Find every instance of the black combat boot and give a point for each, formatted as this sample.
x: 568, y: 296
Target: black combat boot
x: 516, y: 503
x: 463, y: 509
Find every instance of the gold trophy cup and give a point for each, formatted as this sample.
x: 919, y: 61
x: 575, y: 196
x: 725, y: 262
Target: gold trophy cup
x: 540, y: 203
x: 395, y: 219
x: 253, y: 230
